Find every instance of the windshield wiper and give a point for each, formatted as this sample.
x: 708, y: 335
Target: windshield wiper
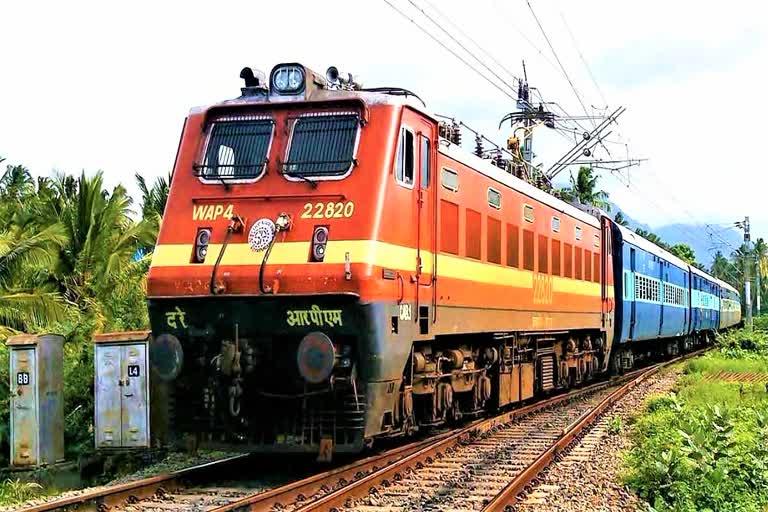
x: 312, y: 183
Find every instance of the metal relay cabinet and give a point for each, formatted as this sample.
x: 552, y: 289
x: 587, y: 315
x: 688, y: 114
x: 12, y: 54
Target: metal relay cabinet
x: 37, y: 404
x: 121, y: 383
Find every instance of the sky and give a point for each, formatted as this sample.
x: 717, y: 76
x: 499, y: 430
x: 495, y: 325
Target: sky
x: 106, y: 86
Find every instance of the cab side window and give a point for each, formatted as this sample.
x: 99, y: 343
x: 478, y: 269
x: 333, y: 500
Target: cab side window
x: 425, y: 160
x: 404, y: 170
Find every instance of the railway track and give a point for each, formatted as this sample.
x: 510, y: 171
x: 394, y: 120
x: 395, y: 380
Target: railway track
x: 483, y: 466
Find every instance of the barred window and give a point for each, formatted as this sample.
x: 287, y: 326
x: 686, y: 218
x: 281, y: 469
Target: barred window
x: 323, y: 145
x: 236, y: 149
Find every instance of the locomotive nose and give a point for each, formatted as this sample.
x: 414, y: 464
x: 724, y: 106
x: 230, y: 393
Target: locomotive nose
x: 316, y: 357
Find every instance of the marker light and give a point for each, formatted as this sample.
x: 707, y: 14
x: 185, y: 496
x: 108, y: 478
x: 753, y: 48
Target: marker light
x: 319, y: 239
x: 202, y: 240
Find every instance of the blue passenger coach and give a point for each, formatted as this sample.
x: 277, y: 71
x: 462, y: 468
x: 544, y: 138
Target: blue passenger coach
x: 730, y: 305
x: 652, y: 290
x: 705, y: 302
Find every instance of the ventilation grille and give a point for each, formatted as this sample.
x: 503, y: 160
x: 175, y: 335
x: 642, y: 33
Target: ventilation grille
x: 547, y: 373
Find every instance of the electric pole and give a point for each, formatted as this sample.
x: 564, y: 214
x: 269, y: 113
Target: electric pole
x: 747, y: 265
x: 757, y: 283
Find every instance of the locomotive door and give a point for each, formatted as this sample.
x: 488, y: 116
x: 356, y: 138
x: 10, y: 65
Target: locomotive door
x: 426, y: 250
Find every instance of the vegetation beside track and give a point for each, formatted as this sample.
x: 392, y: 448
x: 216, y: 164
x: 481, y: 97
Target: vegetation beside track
x: 703, y: 448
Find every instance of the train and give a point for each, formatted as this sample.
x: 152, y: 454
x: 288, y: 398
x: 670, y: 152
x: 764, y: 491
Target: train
x: 333, y: 269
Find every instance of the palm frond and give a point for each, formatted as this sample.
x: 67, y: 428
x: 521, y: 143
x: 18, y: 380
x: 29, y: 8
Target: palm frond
x: 28, y: 310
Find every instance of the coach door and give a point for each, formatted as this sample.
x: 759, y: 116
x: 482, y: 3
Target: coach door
x: 426, y: 253
x: 633, y: 303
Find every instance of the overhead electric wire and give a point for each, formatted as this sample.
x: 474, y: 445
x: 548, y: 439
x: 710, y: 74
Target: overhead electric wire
x: 583, y: 60
x: 527, y: 39
x: 451, y: 51
x: 463, y: 47
x: 557, y: 58
x: 471, y: 40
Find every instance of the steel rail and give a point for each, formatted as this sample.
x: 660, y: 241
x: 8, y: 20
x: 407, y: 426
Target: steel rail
x: 303, y: 490
x: 115, y: 496
x: 340, y: 498
x: 508, y: 496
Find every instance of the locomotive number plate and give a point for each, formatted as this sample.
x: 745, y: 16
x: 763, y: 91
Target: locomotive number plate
x: 405, y: 312
x: 331, y: 210
x: 22, y: 378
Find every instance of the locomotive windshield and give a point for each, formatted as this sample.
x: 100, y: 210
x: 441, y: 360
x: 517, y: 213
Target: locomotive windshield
x: 237, y: 149
x: 322, y: 145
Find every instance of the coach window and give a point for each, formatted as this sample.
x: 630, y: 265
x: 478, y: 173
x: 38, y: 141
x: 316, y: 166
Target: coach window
x: 449, y: 179
x: 425, y: 159
x: 578, y: 232
x: 494, y: 198
x: 556, y: 224
x: 405, y: 158
x: 528, y: 213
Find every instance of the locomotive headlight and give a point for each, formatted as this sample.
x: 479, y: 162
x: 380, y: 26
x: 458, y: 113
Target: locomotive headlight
x: 319, y: 240
x: 288, y: 79
x: 166, y: 356
x: 202, y: 240
x: 316, y: 357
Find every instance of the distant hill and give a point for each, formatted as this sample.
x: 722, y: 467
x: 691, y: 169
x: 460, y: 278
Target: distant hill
x: 695, y: 235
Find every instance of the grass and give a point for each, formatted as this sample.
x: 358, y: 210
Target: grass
x: 16, y: 491
x: 703, y: 447
x: 716, y: 362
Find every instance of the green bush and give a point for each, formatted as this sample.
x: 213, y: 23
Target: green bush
x: 739, y: 343
x: 760, y: 323
x: 702, y: 449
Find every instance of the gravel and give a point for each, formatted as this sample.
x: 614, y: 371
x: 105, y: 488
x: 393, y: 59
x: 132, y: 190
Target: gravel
x: 587, y: 477
x: 172, y: 462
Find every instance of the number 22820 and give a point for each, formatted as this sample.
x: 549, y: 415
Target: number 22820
x: 328, y: 210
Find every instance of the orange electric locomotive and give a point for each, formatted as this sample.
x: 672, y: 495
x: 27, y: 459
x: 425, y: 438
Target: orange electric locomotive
x: 332, y: 269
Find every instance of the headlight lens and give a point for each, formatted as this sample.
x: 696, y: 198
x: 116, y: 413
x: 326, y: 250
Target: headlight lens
x: 288, y: 79
x: 316, y: 357
x: 166, y: 356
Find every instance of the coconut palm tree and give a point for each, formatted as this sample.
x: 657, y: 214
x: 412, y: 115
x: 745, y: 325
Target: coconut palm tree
x: 153, y: 199
x: 102, y: 236
x: 22, y: 256
x: 584, y: 190
x: 620, y: 219
x: 721, y: 267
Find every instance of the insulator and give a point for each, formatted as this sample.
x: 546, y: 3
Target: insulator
x: 443, y: 131
x: 456, y: 134
x: 478, y: 146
